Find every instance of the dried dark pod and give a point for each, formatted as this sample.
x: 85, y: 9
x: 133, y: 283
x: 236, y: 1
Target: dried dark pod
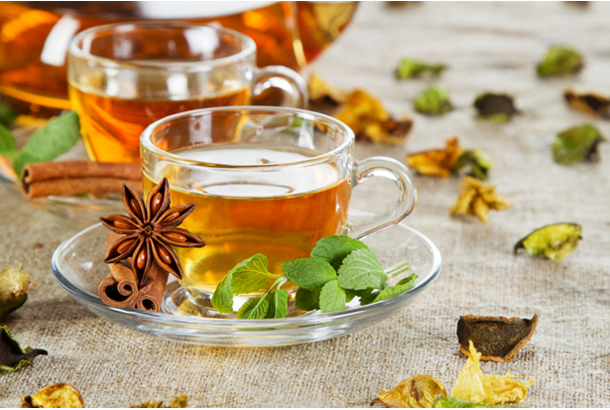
x: 497, y: 338
x: 497, y: 107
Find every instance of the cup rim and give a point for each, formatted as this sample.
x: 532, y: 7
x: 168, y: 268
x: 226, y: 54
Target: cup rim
x: 75, y: 50
x: 145, y: 138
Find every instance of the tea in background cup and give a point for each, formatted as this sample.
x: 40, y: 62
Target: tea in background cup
x: 265, y: 180
x: 122, y: 77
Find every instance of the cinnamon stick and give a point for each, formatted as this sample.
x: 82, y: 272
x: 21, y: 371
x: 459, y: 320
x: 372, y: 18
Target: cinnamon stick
x: 119, y: 289
x: 151, y: 294
x: 79, y: 177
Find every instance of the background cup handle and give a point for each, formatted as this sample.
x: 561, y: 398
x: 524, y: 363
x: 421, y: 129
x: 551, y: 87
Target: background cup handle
x: 284, y: 78
x: 397, y: 173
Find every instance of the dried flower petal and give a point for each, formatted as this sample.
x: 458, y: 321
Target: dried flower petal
x: 475, y: 160
x: 175, y: 403
x: 433, y: 101
x: 472, y: 385
x: 416, y: 392
x: 408, y: 68
x: 496, y: 338
x: 560, y: 60
x: 12, y: 356
x: 478, y: 199
x: 554, y: 241
x: 496, y: 107
x: 323, y: 96
x: 577, y: 144
x: 60, y: 395
x: 14, y: 284
x: 438, y: 162
x: 589, y: 103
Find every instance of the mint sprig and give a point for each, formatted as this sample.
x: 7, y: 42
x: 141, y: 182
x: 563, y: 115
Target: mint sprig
x: 339, y: 270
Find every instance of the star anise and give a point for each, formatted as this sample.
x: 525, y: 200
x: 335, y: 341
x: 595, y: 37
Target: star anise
x: 150, y: 231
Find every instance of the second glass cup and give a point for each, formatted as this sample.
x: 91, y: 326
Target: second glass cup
x: 122, y: 77
x: 265, y: 180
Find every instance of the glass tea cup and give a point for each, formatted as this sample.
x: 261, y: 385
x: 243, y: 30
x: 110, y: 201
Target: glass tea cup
x: 124, y: 76
x: 268, y: 180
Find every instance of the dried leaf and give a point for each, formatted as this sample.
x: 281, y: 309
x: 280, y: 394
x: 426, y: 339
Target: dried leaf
x: 433, y: 101
x: 496, y: 107
x: 590, y: 103
x: 416, y: 392
x: 554, y: 241
x: 560, y: 60
x: 60, y: 395
x: 478, y: 199
x: 472, y: 385
x: 476, y: 161
x: 322, y: 96
x: 577, y: 144
x: 497, y: 338
x: 408, y: 68
x: 12, y: 356
x: 437, y: 162
x: 175, y: 403
x: 14, y: 284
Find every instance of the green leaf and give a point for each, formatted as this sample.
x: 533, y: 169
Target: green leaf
x: 433, y: 101
x: 309, y: 273
x: 361, y: 270
x: 332, y: 297
x: 8, y: 115
x: 554, y: 241
x: 12, y: 356
x: 251, y: 275
x: 367, y: 296
x: 55, y: 138
x: 560, y: 60
x: 478, y: 163
x: 8, y: 148
x: 400, y: 287
x: 308, y: 299
x: 255, y: 308
x: 222, y: 299
x: 278, y: 304
x: 577, y: 144
x: 408, y: 68
x: 334, y: 249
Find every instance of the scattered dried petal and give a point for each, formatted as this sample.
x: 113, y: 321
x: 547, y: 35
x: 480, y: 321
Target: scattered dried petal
x: 60, y: 395
x: 323, y: 96
x: 590, y: 103
x: 472, y: 385
x: 408, y: 68
x: 453, y: 402
x: 496, y: 107
x: 560, y: 60
x: 437, y: 162
x: 554, y: 241
x: 497, y: 338
x: 475, y: 160
x: 577, y: 144
x: 12, y: 356
x: 433, y: 101
x: 478, y: 199
x: 416, y: 392
x: 14, y: 284
x: 175, y: 403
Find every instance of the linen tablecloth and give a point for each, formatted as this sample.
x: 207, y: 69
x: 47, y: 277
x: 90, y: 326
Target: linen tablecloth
x: 489, y: 47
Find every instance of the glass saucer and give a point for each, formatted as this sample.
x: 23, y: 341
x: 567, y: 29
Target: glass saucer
x: 78, y: 267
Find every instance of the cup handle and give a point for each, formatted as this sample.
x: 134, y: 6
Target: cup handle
x: 399, y: 174
x: 284, y: 78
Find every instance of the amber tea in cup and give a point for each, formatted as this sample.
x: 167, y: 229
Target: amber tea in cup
x: 123, y: 77
x: 265, y: 180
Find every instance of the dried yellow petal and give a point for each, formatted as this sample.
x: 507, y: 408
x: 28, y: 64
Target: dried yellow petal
x: 594, y: 104
x: 323, y: 95
x: 437, y: 162
x: 416, y: 392
x: 175, y: 403
x: 472, y: 385
x: 478, y: 199
x: 60, y: 395
x: 554, y: 241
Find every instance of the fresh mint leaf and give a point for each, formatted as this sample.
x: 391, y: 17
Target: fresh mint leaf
x: 400, y: 287
x: 55, y: 138
x: 332, y: 297
x: 7, y: 142
x: 309, y: 273
x: 251, y: 275
x: 8, y: 115
x: 349, y: 295
x: 255, y: 308
x: 278, y: 304
x: 222, y: 299
x: 367, y: 296
x: 334, y: 249
x: 361, y: 270
x: 307, y: 299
